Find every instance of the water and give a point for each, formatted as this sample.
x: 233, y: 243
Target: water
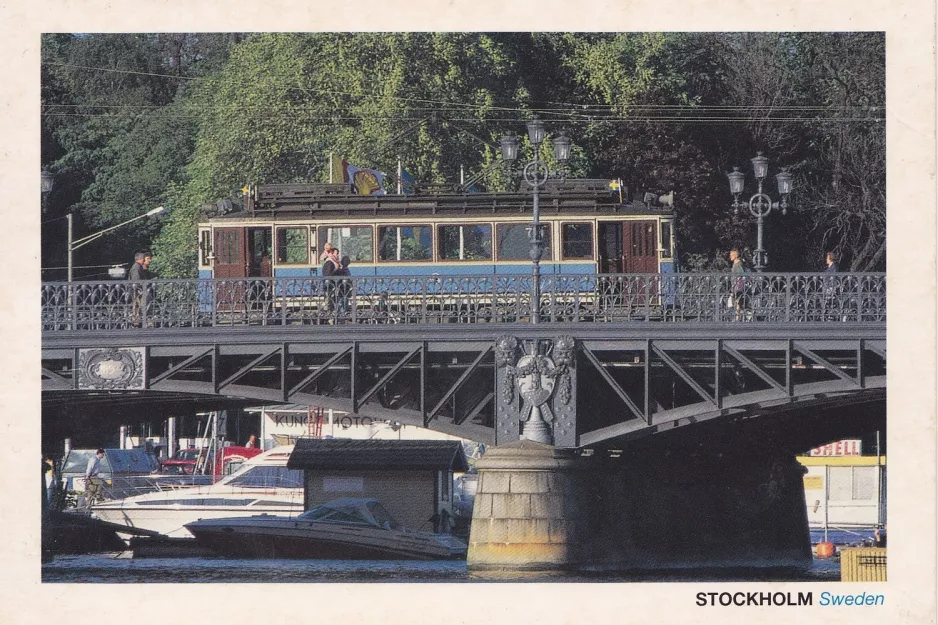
x: 109, y: 568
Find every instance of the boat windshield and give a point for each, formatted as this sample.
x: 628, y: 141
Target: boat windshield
x: 382, y: 516
x: 361, y: 512
x: 268, y: 477
x: 336, y: 515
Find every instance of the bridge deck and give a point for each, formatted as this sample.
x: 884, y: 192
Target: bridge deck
x: 766, y: 299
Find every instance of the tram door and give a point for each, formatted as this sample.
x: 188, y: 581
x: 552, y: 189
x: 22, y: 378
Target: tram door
x: 242, y: 252
x: 230, y: 250
x: 611, y: 257
x: 628, y: 247
x: 640, y: 240
x: 259, y: 252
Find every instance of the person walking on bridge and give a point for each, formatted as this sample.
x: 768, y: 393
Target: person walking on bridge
x: 139, y: 272
x: 738, y: 284
x: 94, y: 485
x: 832, y: 289
x: 329, y: 268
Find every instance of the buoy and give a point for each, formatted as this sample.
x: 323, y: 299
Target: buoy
x: 825, y: 550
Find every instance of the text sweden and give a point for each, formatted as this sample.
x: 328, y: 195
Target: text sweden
x: 788, y: 599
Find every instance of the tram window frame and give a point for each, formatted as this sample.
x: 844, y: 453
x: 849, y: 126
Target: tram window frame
x: 322, y: 237
x: 206, y: 255
x: 283, y: 247
x: 548, y: 241
x: 665, y: 229
x: 379, y: 238
x: 564, y: 241
x: 440, y: 238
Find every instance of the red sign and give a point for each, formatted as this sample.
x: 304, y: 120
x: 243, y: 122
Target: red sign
x: 850, y: 447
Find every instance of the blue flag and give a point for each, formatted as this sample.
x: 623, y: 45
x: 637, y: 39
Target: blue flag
x: 408, y: 184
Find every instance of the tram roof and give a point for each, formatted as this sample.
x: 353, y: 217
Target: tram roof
x: 331, y: 201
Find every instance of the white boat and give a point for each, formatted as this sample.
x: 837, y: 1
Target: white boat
x: 263, y: 484
x: 342, y: 529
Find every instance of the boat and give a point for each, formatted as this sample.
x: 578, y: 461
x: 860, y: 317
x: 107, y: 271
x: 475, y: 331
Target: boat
x: 263, y: 484
x: 341, y: 529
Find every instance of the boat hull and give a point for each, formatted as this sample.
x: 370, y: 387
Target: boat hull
x: 293, y: 540
x: 171, y: 520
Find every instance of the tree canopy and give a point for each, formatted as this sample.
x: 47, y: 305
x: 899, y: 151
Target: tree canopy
x: 132, y: 121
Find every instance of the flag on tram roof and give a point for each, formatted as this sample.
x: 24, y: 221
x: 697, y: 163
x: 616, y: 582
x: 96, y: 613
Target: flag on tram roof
x: 408, y: 184
x: 365, y: 181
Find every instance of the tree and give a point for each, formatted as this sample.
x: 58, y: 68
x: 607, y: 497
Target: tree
x: 111, y: 134
x: 283, y: 103
x: 182, y: 119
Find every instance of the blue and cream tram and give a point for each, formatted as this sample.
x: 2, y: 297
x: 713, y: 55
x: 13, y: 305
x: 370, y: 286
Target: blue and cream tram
x: 282, y: 229
x: 453, y: 255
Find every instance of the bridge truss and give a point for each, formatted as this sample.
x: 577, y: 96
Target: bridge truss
x: 608, y: 382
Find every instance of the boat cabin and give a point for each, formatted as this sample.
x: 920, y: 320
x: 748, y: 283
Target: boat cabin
x: 412, y: 479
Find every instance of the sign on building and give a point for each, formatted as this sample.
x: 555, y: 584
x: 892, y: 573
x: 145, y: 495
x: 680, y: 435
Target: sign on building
x: 849, y: 447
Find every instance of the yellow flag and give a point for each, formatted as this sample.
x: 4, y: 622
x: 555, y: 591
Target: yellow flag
x: 339, y: 172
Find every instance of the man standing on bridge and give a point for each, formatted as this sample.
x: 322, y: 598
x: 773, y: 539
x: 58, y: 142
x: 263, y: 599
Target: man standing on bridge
x: 139, y: 272
x: 94, y: 485
x: 738, y: 283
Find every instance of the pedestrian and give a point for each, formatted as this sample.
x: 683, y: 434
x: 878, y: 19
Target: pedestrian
x: 140, y: 294
x: 738, y: 301
x: 344, y: 286
x: 140, y: 270
x: 94, y: 485
x: 252, y: 441
x: 48, y: 472
x: 326, y: 251
x: 831, y: 303
x: 329, y: 267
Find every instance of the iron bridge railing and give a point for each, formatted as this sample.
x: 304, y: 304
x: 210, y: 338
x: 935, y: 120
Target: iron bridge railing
x: 769, y: 298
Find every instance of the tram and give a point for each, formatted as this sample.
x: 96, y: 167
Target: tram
x: 587, y: 229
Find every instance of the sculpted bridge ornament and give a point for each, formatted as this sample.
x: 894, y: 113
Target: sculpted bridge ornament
x: 580, y: 384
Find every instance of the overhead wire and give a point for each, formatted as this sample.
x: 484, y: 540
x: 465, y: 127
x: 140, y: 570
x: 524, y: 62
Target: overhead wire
x: 566, y: 109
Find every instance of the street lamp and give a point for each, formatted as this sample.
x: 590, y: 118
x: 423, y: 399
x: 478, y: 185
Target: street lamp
x: 760, y: 205
x: 74, y: 245
x: 536, y: 175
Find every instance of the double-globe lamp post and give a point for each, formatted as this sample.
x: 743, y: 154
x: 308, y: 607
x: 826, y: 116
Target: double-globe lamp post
x: 760, y: 205
x: 536, y: 173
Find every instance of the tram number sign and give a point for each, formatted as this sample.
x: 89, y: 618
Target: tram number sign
x: 849, y: 447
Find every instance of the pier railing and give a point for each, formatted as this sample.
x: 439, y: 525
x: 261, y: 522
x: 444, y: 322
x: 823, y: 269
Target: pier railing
x: 769, y: 298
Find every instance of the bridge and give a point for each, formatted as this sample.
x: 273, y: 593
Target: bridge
x: 442, y: 353
x: 652, y: 363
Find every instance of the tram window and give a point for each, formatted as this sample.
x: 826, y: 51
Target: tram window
x: 355, y: 241
x: 398, y: 243
x: 514, y: 243
x: 577, y: 240
x: 293, y: 246
x: 471, y: 242
x: 666, y: 239
x: 205, y: 247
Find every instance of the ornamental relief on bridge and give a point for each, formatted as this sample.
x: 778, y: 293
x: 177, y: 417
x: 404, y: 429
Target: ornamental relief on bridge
x: 111, y: 369
x: 534, y: 377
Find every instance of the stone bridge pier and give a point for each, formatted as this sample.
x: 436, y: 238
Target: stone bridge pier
x: 539, y: 507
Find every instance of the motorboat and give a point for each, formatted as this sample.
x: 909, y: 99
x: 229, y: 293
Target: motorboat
x: 262, y: 484
x: 341, y: 529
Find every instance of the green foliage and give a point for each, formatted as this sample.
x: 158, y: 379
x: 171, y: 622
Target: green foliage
x: 114, y: 134
x: 184, y: 119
